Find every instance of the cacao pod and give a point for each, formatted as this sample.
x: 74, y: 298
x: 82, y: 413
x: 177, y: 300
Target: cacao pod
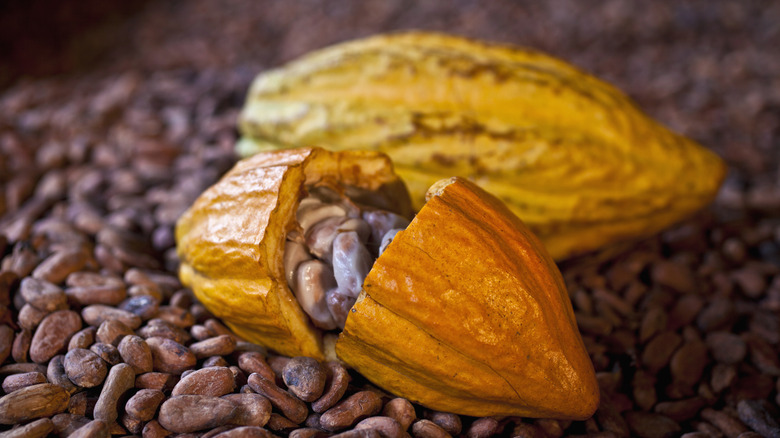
x: 464, y: 311
x: 568, y: 153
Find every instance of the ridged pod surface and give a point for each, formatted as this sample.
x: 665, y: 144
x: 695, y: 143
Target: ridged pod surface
x: 480, y: 319
x: 568, y: 153
x: 464, y: 311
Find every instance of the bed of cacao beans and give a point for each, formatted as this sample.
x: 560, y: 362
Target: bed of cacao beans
x: 98, y: 337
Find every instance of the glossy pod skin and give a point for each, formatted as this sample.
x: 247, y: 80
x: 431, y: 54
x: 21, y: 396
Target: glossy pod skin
x: 464, y: 311
x: 571, y: 155
x: 480, y: 318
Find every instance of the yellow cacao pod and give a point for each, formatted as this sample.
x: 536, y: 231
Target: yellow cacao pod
x: 464, y: 311
x: 568, y: 153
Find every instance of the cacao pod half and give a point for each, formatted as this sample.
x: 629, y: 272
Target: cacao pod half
x: 568, y: 153
x: 464, y: 311
x: 231, y: 240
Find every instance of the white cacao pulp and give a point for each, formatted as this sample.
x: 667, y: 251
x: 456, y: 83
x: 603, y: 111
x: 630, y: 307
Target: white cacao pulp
x: 327, y: 259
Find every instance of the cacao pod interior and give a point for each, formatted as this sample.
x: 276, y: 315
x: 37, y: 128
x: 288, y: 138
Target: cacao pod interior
x: 338, y: 234
x: 231, y: 240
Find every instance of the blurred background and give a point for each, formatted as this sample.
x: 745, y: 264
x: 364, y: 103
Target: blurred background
x: 710, y: 69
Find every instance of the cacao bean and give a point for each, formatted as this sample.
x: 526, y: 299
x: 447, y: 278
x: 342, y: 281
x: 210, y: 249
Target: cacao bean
x: 401, y: 410
x: 221, y: 345
x: 56, y: 268
x: 144, y: 306
x: 107, y: 352
x: 386, y: 426
x: 727, y: 424
x: 84, y: 368
x: 251, y: 409
x: 31, y: 402
x: 726, y: 348
x: 53, y: 334
x: 254, y: 362
x: 200, y: 332
x: 169, y: 356
x: 305, y: 377
x: 86, y: 288
x: 93, y: 429
x: 486, y: 426
x: 21, y: 346
x: 449, y: 422
x: 30, y: 317
x: 351, y: 410
x: 121, y: 378
x: 153, y: 429
x: 136, y: 353
x: 15, y: 382
x: 144, y: 403
x: 162, y: 329
x: 760, y: 416
x: 43, y: 295
x: 212, y: 381
x: 292, y: 408
x: 688, y: 362
x: 429, y: 429
x: 335, y: 386
x: 112, y: 331
x: 659, y: 350
x: 36, y: 429
x: 84, y: 338
x: 96, y: 314
x: 190, y: 413
x: 215, y: 361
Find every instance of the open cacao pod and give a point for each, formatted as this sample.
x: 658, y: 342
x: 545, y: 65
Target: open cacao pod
x: 463, y: 310
x: 571, y: 155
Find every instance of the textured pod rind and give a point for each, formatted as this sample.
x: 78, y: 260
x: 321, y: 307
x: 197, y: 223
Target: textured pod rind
x: 231, y: 240
x: 570, y: 154
x: 480, y: 318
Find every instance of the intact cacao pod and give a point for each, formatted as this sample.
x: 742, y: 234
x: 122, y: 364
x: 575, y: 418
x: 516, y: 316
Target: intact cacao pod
x: 571, y: 155
x: 463, y: 310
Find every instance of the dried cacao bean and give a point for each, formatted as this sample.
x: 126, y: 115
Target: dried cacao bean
x: 121, y: 378
x: 191, y: 413
x: 36, y: 401
x: 305, y: 377
x: 351, y: 410
x: 292, y: 408
x: 53, y: 334
x: 212, y: 381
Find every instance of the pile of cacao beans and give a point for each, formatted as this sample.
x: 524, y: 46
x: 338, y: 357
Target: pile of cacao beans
x: 99, y: 338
